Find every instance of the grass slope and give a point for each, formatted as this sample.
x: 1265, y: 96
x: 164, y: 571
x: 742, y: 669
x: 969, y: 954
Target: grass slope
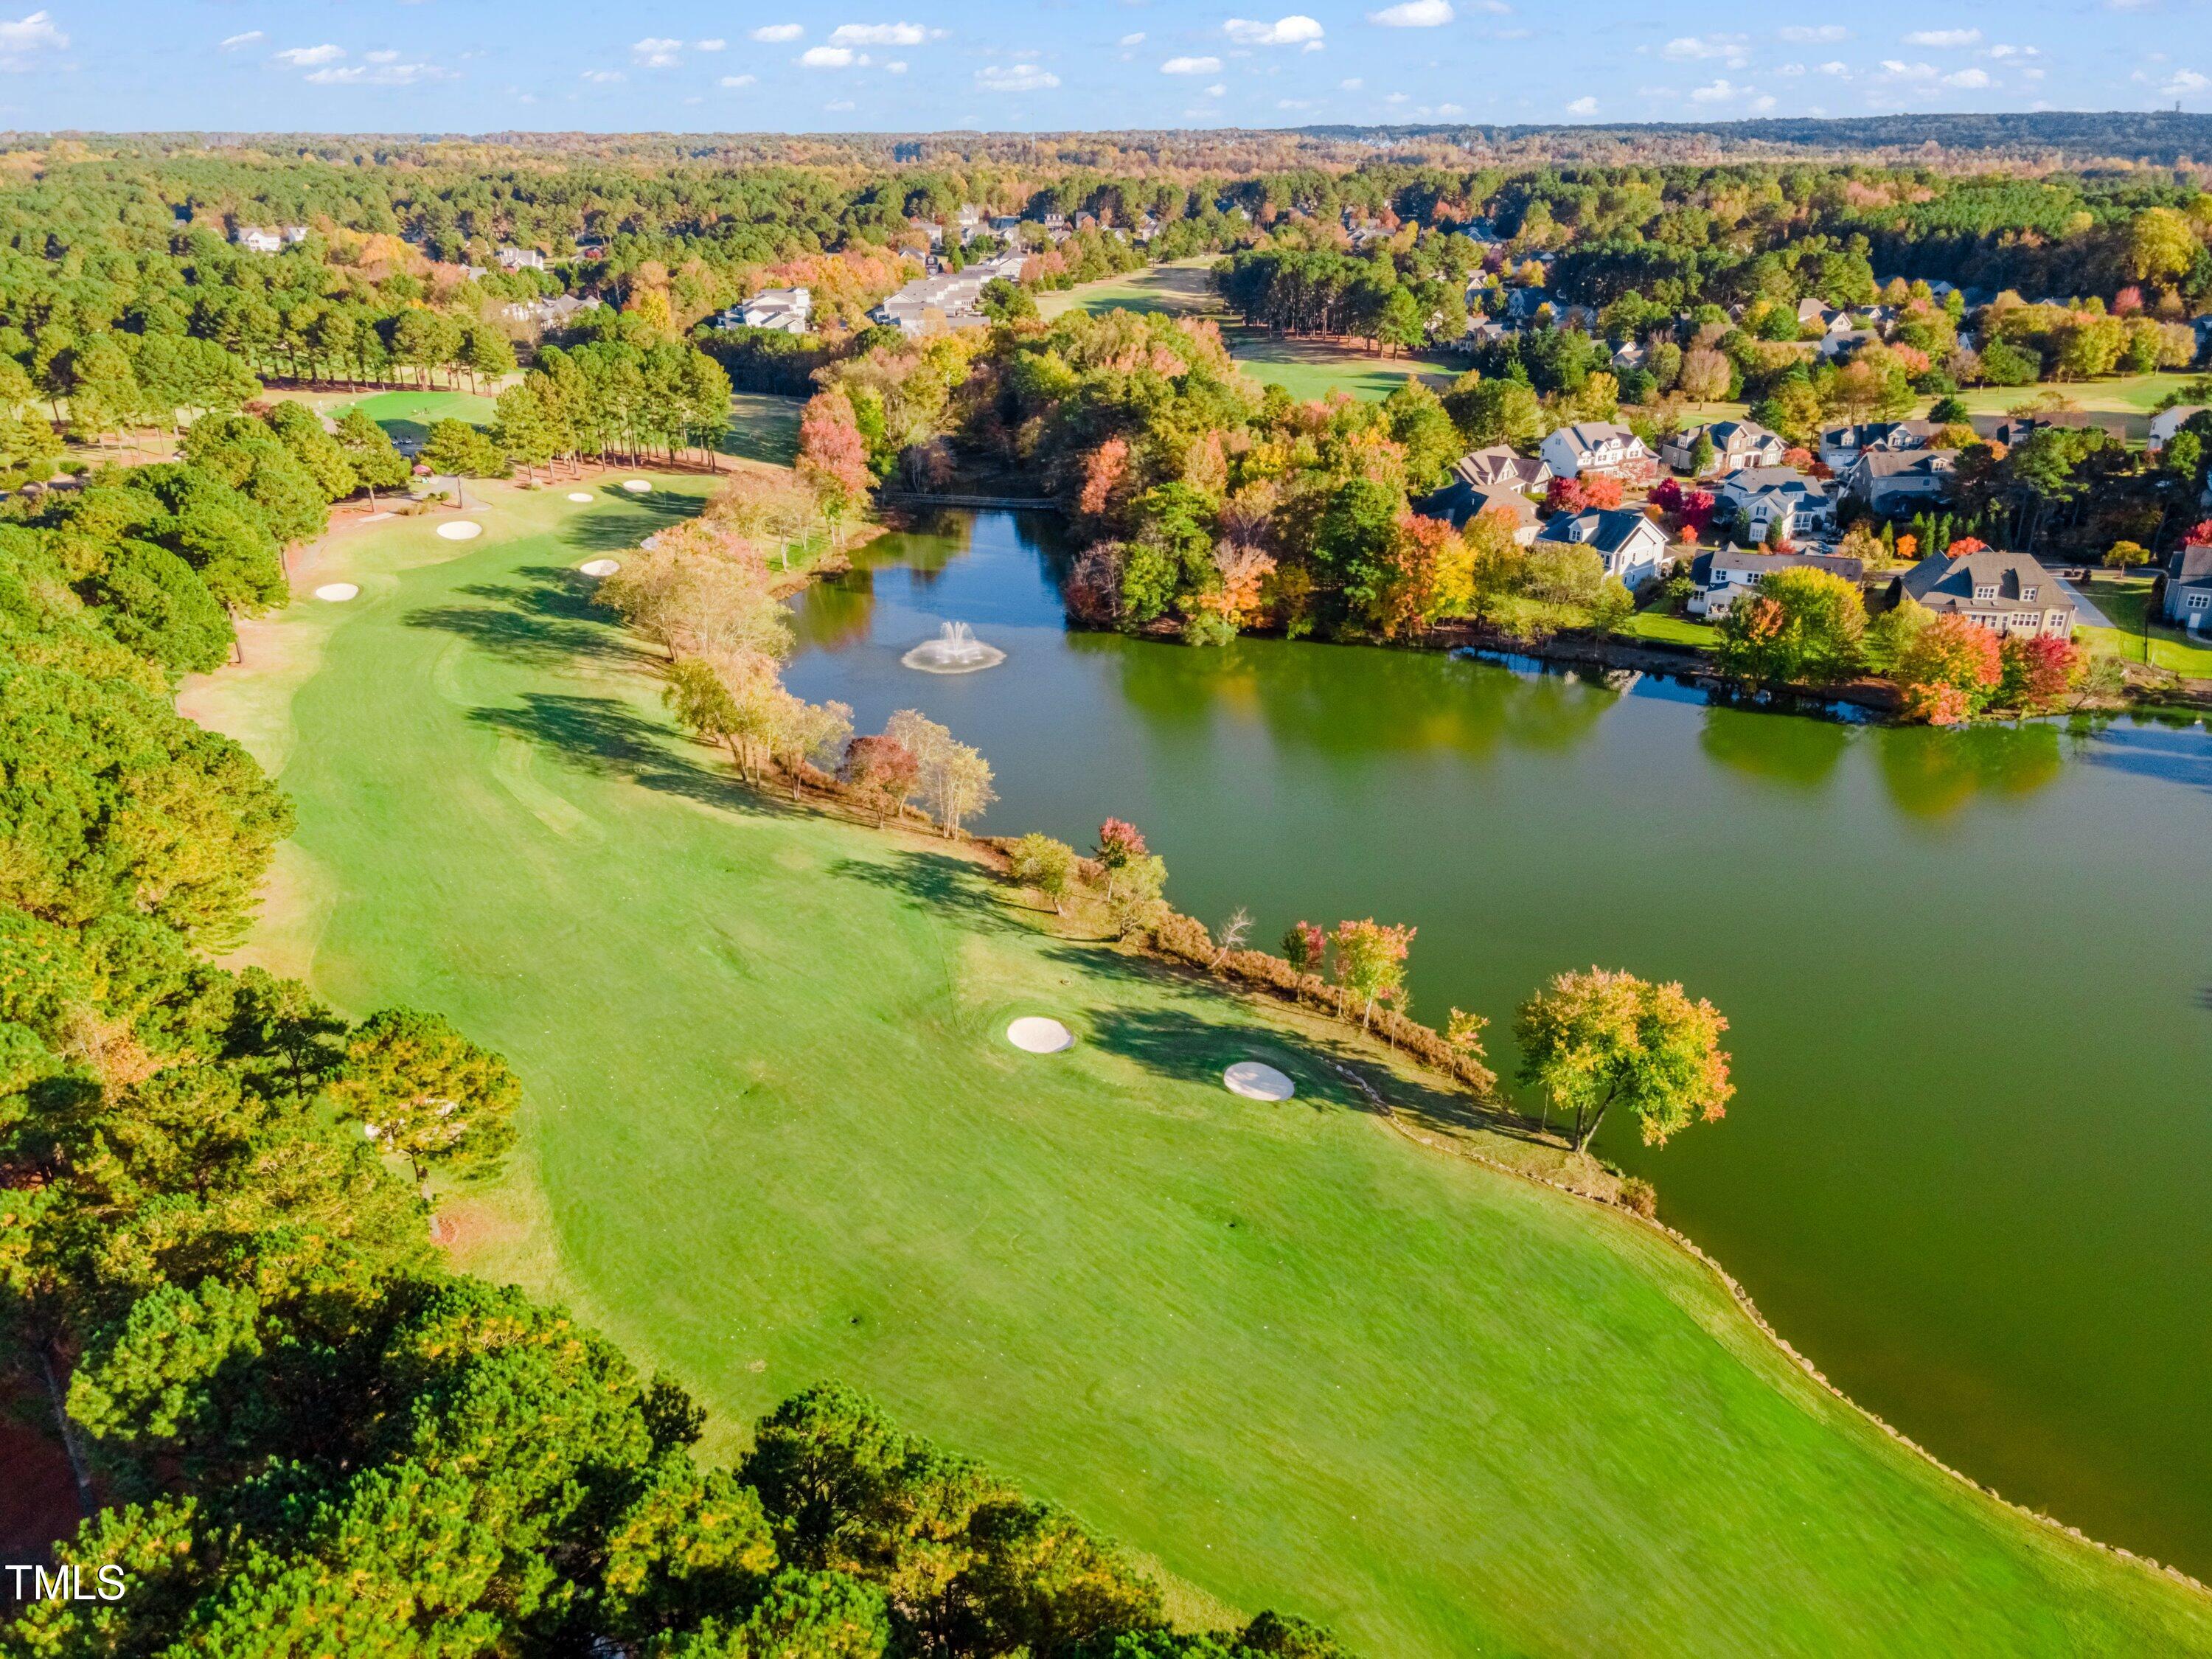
x: 773, y: 1134
x: 2125, y: 602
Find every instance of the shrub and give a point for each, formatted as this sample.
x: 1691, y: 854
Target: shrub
x: 1639, y: 1195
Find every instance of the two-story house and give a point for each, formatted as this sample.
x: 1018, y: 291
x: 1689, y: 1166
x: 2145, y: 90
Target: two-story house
x: 2005, y: 592
x: 2188, y: 602
x: 1501, y: 467
x: 1632, y: 547
x: 1842, y: 445
x: 1736, y: 444
x: 1754, y: 499
x: 1597, y: 446
x: 1722, y: 577
x: 1890, y: 482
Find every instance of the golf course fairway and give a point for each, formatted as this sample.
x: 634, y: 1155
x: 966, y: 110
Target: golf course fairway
x: 775, y: 1132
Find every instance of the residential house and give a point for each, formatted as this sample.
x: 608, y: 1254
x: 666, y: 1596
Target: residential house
x: 554, y: 313
x: 2168, y: 421
x: 266, y: 239
x: 591, y: 247
x: 519, y: 258
x: 1723, y: 576
x: 1889, y: 483
x: 1500, y: 467
x: 787, y: 310
x: 1757, y: 499
x: 1524, y: 303
x: 1462, y: 503
x: 1818, y: 313
x: 934, y: 232
x: 1604, y: 447
x: 1842, y: 445
x: 2005, y: 592
x: 2188, y: 602
x: 1633, y: 548
x: 1850, y: 341
x: 1631, y: 355
x: 1736, y: 444
x: 949, y: 298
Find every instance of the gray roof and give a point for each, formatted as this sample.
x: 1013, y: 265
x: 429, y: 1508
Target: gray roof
x: 1758, y: 564
x: 1605, y: 528
x: 1757, y: 480
x: 1946, y: 581
x: 1899, y: 463
x: 1590, y: 434
x: 1499, y: 464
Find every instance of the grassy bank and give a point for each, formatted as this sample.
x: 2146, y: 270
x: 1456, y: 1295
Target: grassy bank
x: 774, y: 1132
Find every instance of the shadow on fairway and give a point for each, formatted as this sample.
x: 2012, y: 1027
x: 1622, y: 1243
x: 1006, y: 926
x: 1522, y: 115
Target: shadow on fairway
x: 608, y: 738
x: 935, y: 881
x: 542, y: 618
x: 612, y: 533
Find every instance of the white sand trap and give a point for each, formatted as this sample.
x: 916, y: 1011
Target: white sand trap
x: 460, y: 530
x: 337, y: 592
x: 1033, y: 1034
x: 579, y: 495
x: 599, y: 567
x: 1256, y: 1080
x: 637, y: 486
x: 651, y: 541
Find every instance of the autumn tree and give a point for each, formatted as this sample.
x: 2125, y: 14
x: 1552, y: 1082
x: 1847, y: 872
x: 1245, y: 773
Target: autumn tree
x: 1371, y: 964
x: 1039, y: 861
x: 955, y: 778
x: 1589, y: 1042
x: 884, y: 769
x: 1950, y: 671
x: 1119, y: 845
x: 833, y: 456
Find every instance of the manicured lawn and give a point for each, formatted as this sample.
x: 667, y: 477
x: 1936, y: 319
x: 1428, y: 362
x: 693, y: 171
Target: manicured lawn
x: 1178, y: 287
x: 2134, y: 395
x: 763, y: 427
x: 411, y: 414
x: 2125, y: 603
x: 1665, y: 627
x: 773, y: 1134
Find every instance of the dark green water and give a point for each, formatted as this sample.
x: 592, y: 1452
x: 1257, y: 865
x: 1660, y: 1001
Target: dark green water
x: 1969, y: 973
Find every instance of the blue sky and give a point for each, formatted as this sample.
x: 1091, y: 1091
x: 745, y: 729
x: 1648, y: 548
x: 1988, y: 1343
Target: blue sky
x: 829, y: 65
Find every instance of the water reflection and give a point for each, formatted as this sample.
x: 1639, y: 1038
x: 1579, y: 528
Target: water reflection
x: 1785, y: 749
x: 1930, y: 774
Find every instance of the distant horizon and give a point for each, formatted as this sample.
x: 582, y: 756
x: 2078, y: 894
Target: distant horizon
x: 1097, y: 65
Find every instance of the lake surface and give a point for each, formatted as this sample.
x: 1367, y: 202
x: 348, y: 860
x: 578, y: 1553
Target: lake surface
x: 1969, y: 974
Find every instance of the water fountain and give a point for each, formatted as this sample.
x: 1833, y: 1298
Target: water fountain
x: 956, y: 650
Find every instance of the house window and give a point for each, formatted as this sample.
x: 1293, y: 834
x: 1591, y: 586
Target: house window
x: 1982, y: 595
x: 2028, y: 594
x: 2200, y: 601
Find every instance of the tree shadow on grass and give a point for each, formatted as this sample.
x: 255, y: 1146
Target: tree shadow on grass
x: 608, y: 738
x: 610, y: 532
x: 935, y: 881
x: 543, y: 618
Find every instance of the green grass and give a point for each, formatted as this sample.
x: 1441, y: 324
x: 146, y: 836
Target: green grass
x: 2126, y: 603
x: 773, y: 1134
x: 763, y: 427
x: 2135, y: 395
x: 411, y: 414
x: 1178, y: 287
x: 1668, y: 629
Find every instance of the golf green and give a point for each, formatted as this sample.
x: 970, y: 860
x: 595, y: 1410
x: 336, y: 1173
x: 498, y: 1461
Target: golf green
x: 774, y: 1132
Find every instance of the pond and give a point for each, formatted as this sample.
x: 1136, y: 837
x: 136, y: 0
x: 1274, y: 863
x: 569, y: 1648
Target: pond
x: 1969, y: 974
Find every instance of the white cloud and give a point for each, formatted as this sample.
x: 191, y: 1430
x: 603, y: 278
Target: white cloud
x: 710, y: 46
x: 1789, y: 69
x: 1902, y: 71
x: 1717, y: 92
x: 879, y: 35
x: 656, y: 51
x: 1835, y: 66
x: 383, y: 71
x: 841, y: 104
x: 1728, y: 48
x: 1017, y: 77
x: 826, y: 58
x: 1293, y: 103
x: 776, y: 33
x: 896, y: 66
x: 1191, y: 66
x: 604, y: 77
x: 1942, y: 36
x: 1295, y: 30
x: 386, y: 56
x: 1815, y: 31
x: 1352, y: 85
x: 1970, y: 78
x: 233, y: 42
x: 1584, y: 106
x: 1414, y: 15
x: 734, y: 82
x: 1136, y: 39
x: 29, y: 34
x: 301, y: 56
x: 1764, y: 102
x: 1215, y: 90
x: 2185, y: 82
x: 1449, y: 111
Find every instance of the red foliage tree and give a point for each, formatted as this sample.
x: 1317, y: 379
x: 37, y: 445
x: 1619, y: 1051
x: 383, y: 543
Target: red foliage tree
x: 1698, y: 506
x: 2198, y: 534
x: 1968, y: 544
x: 1951, y: 670
x: 2036, y: 670
x: 1602, y: 492
x: 1566, y: 495
x: 1105, y: 480
x: 1666, y: 495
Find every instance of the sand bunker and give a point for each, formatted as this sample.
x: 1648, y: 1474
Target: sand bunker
x: 637, y: 486
x: 337, y: 592
x: 579, y: 495
x: 460, y: 530
x: 599, y: 567
x: 1256, y: 1080
x: 1033, y: 1034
